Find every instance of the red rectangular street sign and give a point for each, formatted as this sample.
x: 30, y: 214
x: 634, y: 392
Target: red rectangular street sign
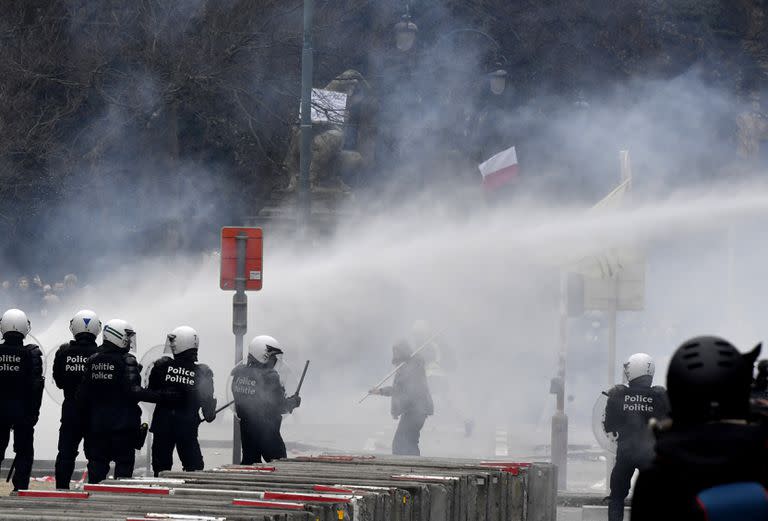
x: 253, y: 257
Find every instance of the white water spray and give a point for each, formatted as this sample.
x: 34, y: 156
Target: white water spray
x: 491, y: 279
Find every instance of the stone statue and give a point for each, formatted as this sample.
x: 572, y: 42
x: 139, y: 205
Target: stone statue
x: 339, y: 151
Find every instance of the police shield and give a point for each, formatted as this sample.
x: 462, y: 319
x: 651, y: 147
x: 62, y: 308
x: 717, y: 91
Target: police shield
x: 147, y: 362
x: 148, y: 359
x: 228, y: 389
x: 288, y: 376
x: 51, y: 389
x: 607, y: 441
x: 56, y: 394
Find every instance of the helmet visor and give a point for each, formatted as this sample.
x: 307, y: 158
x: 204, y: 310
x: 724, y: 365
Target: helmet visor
x: 131, y: 336
x: 170, y: 342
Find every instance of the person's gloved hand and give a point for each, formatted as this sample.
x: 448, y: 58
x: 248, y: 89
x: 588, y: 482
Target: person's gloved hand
x: 395, y: 416
x: 293, y: 402
x: 375, y: 391
x: 209, y: 413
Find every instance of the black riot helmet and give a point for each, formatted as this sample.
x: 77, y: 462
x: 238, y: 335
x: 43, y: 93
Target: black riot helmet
x: 709, y: 380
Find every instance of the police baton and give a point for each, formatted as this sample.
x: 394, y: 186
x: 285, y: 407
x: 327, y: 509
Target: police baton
x: 301, y: 380
x: 217, y: 411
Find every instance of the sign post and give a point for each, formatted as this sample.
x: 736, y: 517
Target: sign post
x: 241, y: 270
x: 239, y: 326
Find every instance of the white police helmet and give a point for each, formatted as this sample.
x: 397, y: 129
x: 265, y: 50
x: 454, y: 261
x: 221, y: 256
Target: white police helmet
x: 181, y: 339
x: 120, y: 333
x: 85, y: 321
x: 264, y: 347
x: 639, y: 364
x: 15, y: 320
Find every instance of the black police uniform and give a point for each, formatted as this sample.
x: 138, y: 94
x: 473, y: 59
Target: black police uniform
x: 109, y: 397
x: 260, y: 402
x: 627, y: 413
x: 412, y: 403
x: 177, y: 425
x: 68, y: 370
x: 21, y: 392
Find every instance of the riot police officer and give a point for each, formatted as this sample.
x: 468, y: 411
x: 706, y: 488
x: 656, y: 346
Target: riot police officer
x: 68, y: 370
x: 109, y: 396
x: 21, y: 392
x: 260, y: 402
x: 627, y: 413
x: 177, y: 425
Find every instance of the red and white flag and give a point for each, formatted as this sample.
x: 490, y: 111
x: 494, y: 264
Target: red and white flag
x: 500, y: 169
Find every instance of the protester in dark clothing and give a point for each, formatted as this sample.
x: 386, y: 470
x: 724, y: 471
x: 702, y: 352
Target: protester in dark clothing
x: 21, y: 392
x: 627, y: 413
x: 708, y: 442
x: 68, y: 370
x: 411, y: 399
x: 109, y: 397
x: 176, y: 426
x: 260, y: 402
x: 692, y: 459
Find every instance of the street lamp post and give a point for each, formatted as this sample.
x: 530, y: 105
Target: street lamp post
x: 405, y: 37
x: 305, y: 152
x: 405, y: 31
x: 497, y: 78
